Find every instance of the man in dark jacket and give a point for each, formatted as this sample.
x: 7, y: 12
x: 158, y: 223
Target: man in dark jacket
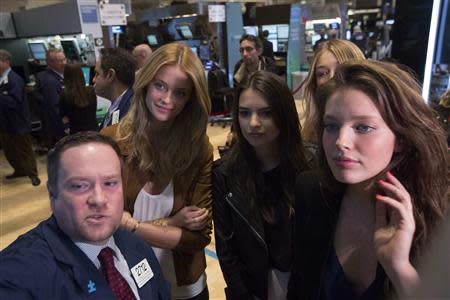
x: 252, y: 60
x: 80, y: 252
x: 15, y: 124
x: 114, y: 78
x: 51, y: 84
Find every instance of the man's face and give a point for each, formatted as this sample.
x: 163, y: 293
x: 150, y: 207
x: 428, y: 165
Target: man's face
x: 249, y: 53
x: 102, y: 82
x: 3, y: 66
x: 57, y: 61
x: 89, y: 202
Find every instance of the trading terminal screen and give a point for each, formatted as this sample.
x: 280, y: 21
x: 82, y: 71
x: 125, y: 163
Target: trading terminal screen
x: 38, y: 50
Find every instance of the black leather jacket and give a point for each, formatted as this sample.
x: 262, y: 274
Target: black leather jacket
x: 240, y: 243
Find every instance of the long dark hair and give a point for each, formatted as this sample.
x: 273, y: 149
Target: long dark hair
x: 74, y: 86
x: 241, y: 162
x: 422, y: 163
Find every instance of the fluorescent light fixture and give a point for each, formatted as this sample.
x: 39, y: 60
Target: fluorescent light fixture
x: 430, y: 50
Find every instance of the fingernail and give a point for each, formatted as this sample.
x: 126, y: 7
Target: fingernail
x: 390, y: 173
x: 377, y: 196
x: 381, y: 181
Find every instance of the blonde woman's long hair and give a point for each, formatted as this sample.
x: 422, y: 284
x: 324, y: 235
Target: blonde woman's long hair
x: 343, y: 51
x: 176, y: 153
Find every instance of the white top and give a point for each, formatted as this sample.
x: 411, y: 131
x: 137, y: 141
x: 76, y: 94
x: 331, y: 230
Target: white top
x: 152, y: 207
x: 120, y: 263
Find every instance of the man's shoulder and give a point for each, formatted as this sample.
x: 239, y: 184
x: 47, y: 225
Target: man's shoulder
x: 30, y: 252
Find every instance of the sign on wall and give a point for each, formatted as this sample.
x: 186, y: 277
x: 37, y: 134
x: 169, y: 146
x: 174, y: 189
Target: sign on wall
x: 216, y: 13
x: 112, y: 14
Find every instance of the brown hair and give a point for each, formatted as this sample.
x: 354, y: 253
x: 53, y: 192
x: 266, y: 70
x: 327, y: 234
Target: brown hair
x: 183, y: 145
x: 422, y: 162
x: 242, y: 164
x: 74, y: 86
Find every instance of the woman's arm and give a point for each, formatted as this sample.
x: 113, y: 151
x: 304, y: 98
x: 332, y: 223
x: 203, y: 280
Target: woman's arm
x: 168, y: 234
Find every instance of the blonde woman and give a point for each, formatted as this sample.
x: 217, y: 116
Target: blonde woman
x: 327, y: 57
x: 169, y: 161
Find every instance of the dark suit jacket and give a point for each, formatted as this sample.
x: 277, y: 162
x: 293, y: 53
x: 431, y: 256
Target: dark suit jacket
x: 45, y: 264
x: 267, y: 48
x: 124, y: 106
x: 15, y: 113
x: 50, y: 87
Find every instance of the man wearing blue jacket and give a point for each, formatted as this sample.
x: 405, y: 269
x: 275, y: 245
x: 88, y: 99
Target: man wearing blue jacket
x: 51, y: 84
x: 80, y: 252
x: 15, y: 126
x: 114, y: 78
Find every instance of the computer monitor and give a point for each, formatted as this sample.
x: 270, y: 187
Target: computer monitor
x: 204, y: 53
x: 195, y: 50
x: 334, y: 25
x: 116, y: 29
x: 86, y: 74
x: 185, y: 32
x: 71, y: 49
x: 319, y: 26
x: 315, y: 37
x: 152, y: 40
x: 283, y: 31
x: 253, y: 30
x: 38, y: 50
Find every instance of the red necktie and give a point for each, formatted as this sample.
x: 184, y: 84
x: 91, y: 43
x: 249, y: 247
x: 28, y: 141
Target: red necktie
x: 118, y: 284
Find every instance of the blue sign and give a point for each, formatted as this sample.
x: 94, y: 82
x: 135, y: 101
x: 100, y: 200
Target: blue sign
x: 89, y: 13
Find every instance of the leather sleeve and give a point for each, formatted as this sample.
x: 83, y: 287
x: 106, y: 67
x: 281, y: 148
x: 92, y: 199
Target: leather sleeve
x: 229, y: 260
x: 194, y: 241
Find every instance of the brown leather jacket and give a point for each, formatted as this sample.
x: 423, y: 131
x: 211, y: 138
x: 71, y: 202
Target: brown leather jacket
x: 188, y: 255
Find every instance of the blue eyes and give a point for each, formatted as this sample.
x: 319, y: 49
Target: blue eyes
x: 360, y: 128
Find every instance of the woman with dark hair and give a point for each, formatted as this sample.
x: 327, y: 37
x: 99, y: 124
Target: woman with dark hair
x: 253, y: 191
x: 77, y: 102
x: 365, y: 219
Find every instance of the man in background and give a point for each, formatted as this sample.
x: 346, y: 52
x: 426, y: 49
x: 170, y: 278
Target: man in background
x: 267, y: 45
x: 50, y: 85
x: 80, y: 252
x: 15, y: 123
x: 252, y: 59
x: 141, y: 54
x: 114, y: 78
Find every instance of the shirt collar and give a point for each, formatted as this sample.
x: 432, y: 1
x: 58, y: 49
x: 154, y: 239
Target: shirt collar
x: 115, y: 103
x: 92, y: 251
x: 4, y: 77
x: 59, y: 74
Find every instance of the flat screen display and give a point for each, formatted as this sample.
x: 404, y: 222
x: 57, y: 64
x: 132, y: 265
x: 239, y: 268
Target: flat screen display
x: 70, y: 49
x: 185, y: 32
x: 38, y: 50
x: 283, y: 31
x: 86, y: 74
x: 253, y: 30
x: 152, y: 40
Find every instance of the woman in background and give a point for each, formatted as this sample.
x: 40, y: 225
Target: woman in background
x: 253, y: 191
x: 327, y: 57
x: 167, y: 182
x: 365, y: 219
x: 77, y: 102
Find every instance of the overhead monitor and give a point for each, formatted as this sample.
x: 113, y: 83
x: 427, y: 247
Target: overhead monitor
x: 38, y: 50
x: 185, y: 32
x: 253, y: 30
x: 283, y: 31
x: 71, y: 49
x: 152, y: 40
